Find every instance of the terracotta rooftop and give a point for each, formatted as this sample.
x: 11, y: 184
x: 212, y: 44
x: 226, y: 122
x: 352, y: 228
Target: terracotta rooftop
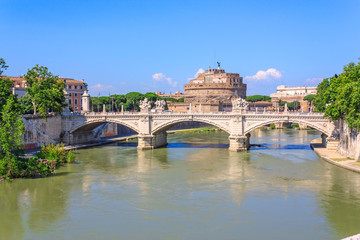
x: 68, y: 80
x: 14, y: 78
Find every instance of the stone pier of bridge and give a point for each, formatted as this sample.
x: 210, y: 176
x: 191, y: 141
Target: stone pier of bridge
x: 152, y: 141
x: 239, y: 143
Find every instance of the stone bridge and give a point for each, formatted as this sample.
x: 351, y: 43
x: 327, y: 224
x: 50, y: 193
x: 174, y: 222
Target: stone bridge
x: 151, y: 127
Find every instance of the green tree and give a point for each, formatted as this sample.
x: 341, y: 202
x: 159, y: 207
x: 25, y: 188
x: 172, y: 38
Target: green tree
x: 11, y: 130
x: 295, y: 105
x: 45, y: 90
x: 309, y: 98
x: 11, y: 127
x: 170, y: 99
x: 282, y: 103
x: 3, y: 66
x: 152, y: 96
x: 321, y: 96
x: 339, y: 96
x: 343, y: 96
x: 258, y: 98
x: 26, y: 104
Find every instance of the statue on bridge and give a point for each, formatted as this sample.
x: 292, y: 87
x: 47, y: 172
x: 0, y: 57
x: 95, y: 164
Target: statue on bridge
x: 239, y: 104
x: 160, y: 105
x: 145, y: 105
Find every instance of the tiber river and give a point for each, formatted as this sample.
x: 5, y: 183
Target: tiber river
x: 193, y: 189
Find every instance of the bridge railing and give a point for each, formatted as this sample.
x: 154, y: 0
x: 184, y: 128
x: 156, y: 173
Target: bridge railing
x: 290, y: 113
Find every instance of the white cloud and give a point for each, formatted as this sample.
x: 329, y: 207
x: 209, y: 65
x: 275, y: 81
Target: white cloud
x: 158, y: 76
x: 99, y: 88
x: 161, y: 77
x: 200, y: 70
x: 271, y: 73
x: 313, y: 80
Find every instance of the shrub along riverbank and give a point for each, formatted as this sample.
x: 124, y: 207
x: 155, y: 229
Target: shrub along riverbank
x: 43, y: 164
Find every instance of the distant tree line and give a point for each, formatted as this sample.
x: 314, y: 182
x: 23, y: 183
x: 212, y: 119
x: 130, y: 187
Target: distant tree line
x: 258, y: 98
x: 129, y: 101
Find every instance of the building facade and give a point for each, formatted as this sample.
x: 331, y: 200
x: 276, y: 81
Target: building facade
x: 74, y: 90
x: 175, y: 95
x: 19, y: 86
x: 211, y: 91
x: 290, y: 94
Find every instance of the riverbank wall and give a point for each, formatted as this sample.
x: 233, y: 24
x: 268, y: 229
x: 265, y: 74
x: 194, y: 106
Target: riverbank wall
x: 39, y: 131
x: 334, y: 157
x: 349, y: 144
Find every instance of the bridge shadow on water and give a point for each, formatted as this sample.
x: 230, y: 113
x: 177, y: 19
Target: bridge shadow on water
x: 264, y: 146
x: 196, y: 145
x: 178, y: 145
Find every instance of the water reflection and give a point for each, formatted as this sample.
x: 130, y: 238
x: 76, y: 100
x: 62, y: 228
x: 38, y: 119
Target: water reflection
x: 32, y: 205
x: 279, y: 186
x: 339, y: 199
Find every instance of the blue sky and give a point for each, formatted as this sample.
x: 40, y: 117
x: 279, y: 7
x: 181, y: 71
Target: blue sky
x: 123, y: 46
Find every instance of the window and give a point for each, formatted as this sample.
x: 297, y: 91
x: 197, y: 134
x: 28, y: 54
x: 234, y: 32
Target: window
x: 69, y: 101
x: 80, y: 101
x: 69, y: 94
x: 76, y: 102
x: 75, y: 94
x: 81, y: 87
x: 75, y: 108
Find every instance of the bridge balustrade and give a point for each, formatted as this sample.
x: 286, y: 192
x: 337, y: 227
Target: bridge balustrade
x: 151, y: 126
x: 193, y: 112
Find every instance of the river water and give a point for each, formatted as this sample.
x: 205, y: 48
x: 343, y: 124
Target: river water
x: 193, y: 189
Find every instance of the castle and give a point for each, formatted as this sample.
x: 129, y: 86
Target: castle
x: 211, y: 91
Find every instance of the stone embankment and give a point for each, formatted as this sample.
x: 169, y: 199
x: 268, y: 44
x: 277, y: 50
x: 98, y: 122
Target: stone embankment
x: 334, y: 157
x: 39, y: 131
x: 346, y: 153
x: 349, y: 144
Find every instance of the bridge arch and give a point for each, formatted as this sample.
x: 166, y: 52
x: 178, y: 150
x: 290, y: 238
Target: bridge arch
x: 90, y: 125
x: 318, y: 127
x: 168, y: 124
